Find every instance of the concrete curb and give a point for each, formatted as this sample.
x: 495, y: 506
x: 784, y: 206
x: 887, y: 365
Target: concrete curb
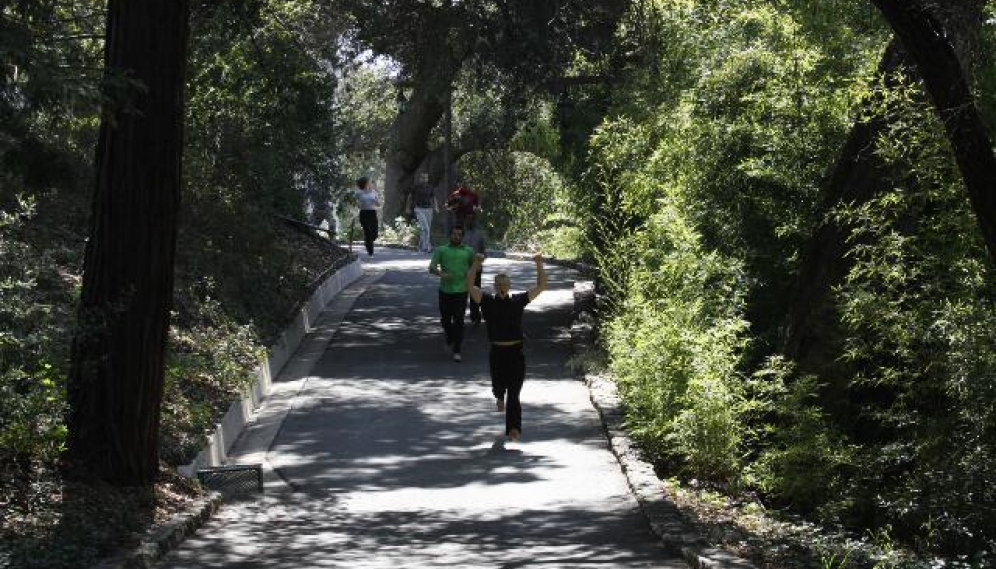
x: 164, y: 538
x: 242, y: 412
x: 665, y: 519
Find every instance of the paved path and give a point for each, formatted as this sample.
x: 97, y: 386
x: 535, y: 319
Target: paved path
x: 383, y: 453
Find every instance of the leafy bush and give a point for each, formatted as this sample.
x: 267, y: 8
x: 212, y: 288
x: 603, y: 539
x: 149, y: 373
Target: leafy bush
x: 210, y: 363
x: 33, y: 340
x: 921, y: 329
x: 402, y: 232
x: 674, y: 345
x: 526, y: 206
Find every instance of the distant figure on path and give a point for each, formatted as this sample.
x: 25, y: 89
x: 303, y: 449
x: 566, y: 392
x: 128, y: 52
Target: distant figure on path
x: 451, y: 263
x: 367, y: 199
x: 474, y: 238
x: 503, y: 314
x: 424, y: 205
x: 463, y: 205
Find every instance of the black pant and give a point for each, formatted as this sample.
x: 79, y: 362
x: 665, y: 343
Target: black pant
x: 368, y: 220
x: 508, y: 371
x: 451, y: 309
x: 475, y: 308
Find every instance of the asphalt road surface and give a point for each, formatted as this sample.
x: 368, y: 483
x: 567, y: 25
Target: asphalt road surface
x: 381, y: 452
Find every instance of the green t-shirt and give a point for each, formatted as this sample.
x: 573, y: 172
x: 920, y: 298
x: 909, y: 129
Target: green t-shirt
x: 455, y: 261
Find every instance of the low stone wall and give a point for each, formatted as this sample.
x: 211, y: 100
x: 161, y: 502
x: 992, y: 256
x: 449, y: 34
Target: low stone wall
x: 215, y: 452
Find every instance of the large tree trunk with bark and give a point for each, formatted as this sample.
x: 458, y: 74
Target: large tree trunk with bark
x: 116, y: 375
x: 927, y: 38
x: 410, y: 147
x: 856, y: 179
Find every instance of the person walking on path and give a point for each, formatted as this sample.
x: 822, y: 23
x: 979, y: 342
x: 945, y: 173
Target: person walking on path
x: 451, y: 262
x: 474, y: 238
x: 463, y: 205
x: 503, y: 314
x: 368, y: 201
x: 424, y: 205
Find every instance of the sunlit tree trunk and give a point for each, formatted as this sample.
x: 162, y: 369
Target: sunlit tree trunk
x: 117, y: 369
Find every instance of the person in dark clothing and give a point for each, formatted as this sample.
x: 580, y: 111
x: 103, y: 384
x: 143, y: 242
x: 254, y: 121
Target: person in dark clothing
x: 368, y: 201
x: 474, y: 238
x: 503, y: 314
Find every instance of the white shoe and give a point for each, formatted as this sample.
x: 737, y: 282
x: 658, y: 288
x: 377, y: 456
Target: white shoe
x: 457, y: 358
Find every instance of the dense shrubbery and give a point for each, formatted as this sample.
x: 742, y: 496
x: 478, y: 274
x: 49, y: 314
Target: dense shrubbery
x: 701, y: 188
x: 34, y: 320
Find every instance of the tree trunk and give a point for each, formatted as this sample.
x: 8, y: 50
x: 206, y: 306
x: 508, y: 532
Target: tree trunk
x: 409, y: 148
x: 925, y: 37
x: 855, y: 179
x: 116, y: 375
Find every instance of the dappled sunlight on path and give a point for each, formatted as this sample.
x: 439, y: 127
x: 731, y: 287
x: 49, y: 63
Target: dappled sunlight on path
x: 394, y: 456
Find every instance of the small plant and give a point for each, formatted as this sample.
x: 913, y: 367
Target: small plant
x: 836, y: 559
x: 401, y: 232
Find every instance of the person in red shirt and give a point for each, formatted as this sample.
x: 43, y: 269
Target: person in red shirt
x: 463, y: 205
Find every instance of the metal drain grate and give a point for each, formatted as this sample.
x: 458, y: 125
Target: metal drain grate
x: 234, y: 479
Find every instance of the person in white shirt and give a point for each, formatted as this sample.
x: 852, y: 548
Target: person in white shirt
x: 369, y: 202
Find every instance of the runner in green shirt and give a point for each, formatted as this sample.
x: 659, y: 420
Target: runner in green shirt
x: 451, y: 262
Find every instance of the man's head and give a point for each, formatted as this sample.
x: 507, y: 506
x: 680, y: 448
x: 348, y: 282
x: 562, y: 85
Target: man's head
x: 456, y: 235
x: 362, y: 182
x: 503, y: 285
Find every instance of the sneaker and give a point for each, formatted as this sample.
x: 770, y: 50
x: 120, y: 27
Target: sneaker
x: 500, y: 404
x: 513, y: 434
x: 457, y: 358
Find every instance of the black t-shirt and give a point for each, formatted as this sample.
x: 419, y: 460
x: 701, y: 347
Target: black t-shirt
x: 504, y: 315
x: 422, y: 195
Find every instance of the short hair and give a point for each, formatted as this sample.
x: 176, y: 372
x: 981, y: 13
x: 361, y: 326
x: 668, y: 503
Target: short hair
x: 503, y: 277
x: 361, y: 182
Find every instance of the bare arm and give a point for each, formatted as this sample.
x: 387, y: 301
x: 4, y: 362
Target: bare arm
x: 435, y: 268
x: 540, y: 285
x: 474, y: 292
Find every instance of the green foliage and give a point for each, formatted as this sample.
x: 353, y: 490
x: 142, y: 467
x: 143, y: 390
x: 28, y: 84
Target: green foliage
x: 401, y: 232
x: 259, y: 105
x: 701, y: 186
x: 526, y: 206
x: 921, y: 327
x: 210, y: 363
x: 33, y: 336
x: 806, y: 458
x: 674, y: 344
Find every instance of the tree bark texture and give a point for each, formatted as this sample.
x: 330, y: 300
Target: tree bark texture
x: 856, y: 179
x: 926, y: 39
x: 117, y: 368
x: 409, y: 148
